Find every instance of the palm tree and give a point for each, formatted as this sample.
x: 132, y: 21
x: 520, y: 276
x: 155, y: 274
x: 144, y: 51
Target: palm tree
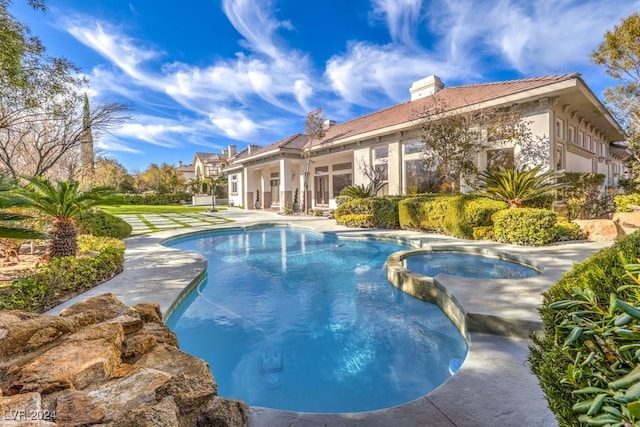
x: 517, y: 185
x: 63, y: 202
x: 362, y: 191
x: 10, y: 221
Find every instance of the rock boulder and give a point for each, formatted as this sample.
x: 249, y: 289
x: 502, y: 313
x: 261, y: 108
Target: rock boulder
x: 104, y: 363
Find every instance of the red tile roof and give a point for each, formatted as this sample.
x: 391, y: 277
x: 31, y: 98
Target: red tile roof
x: 452, y: 98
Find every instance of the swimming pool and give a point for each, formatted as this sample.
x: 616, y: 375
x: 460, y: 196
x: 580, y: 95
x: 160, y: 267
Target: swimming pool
x: 303, y: 321
x: 467, y: 265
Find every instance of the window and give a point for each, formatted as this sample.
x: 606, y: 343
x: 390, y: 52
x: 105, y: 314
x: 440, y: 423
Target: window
x: 601, y: 153
x: 342, y: 166
x: 381, y: 153
x: 572, y: 134
x: 502, y: 157
x: 594, y: 165
x: 559, y: 157
x: 559, y: 129
x: 589, y: 143
x: 322, y: 170
x: 413, y: 147
x: 417, y: 177
x: 234, y: 184
x: 341, y: 181
x: 581, y: 138
x: 382, y: 174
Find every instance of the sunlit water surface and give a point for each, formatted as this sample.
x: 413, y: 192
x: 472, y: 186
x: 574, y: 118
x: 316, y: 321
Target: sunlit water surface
x: 301, y: 321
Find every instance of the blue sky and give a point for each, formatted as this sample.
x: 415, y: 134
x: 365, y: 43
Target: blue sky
x: 203, y: 74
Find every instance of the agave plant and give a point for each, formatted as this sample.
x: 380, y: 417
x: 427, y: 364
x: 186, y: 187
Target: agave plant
x: 63, y: 202
x: 517, y: 185
x: 362, y: 191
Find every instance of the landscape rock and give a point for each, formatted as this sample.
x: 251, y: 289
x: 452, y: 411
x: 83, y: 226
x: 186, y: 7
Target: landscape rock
x: 629, y: 221
x: 102, y: 363
x: 601, y: 229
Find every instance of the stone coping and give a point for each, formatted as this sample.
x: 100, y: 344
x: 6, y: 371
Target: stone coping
x: 485, y: 392
x: 431, y: 290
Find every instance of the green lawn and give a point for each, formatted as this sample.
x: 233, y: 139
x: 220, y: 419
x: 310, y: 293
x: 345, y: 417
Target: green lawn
x: 149, y: 209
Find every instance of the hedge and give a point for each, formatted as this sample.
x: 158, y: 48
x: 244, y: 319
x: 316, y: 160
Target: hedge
x: 102, y: 224
x: 61, y: 278
x: 591, y: 340
x: 155, y: 199
x: 382, y: 212
x: 525, y: 226
x: 456, y: 215
x: 622, y: 201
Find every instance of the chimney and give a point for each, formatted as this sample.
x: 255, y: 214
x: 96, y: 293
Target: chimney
x: 327, y: 124
x: 425, y: 87
x: 225, y: 153
x: 232, y: 150
x: 179, y: 163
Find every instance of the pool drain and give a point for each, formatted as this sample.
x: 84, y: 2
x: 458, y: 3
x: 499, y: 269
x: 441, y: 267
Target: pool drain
x: 271, y: 367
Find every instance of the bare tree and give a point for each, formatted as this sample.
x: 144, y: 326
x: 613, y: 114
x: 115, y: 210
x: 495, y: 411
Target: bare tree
x: 453, y: 139
x: 314, y: 127
x: 42, y: 136
x: 41, y: 119
x: 376, y: 174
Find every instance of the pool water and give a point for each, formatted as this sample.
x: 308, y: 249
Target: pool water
x: 467, y: 265
x: 301, y: 321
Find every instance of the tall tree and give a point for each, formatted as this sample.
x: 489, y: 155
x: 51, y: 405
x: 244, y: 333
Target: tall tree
x: 161, y: 179
x: 87, y: 153
x: 110, y: 173
x: 41, y: 118
x: 314, y: 127
x: 619, y: 53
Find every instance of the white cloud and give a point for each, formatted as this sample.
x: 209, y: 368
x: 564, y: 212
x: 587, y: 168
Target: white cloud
x: 532, y: 37
x: 368, y: 72
x: 402, y: 18
x: 234, y: 124
x: 254, y: 20
x: 108, y: 41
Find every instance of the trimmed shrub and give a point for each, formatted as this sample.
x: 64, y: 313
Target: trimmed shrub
x: 62, y: 278
x: 564, y: 230
x: 591, y: 339
x: 455, y: 215
x: 155, y: 199
x: 382, y: 210
x: 484, y: 232
x: 102, y: 224
x: 385, y: 211
x: 356, y: 220
x: 622, y: 201
x: 525, y: 226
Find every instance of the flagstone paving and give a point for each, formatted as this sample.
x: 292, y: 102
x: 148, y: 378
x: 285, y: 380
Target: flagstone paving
x: 149, y: 223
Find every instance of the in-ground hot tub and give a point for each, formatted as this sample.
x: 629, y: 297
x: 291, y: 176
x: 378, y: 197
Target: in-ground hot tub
x: 466, y: 264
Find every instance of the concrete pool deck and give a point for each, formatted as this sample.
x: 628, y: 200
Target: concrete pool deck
x: 494, y: 387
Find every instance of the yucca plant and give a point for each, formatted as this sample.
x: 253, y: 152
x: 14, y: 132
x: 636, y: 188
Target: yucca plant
x: 63, y: 202
x: 517, y: 185
x: 362, y: 191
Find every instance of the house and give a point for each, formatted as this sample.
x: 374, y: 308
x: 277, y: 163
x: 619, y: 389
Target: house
x: 578, y: 133
x: 187, y: 171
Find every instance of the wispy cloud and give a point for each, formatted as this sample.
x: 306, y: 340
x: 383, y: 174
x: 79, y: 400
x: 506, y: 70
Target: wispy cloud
x: 403, y: 18
x: 267, y: 86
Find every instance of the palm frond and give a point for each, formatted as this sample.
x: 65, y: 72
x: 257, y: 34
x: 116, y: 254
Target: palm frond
x: 517, y: 185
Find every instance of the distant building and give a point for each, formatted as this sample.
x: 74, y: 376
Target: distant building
x: 188, y: 172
